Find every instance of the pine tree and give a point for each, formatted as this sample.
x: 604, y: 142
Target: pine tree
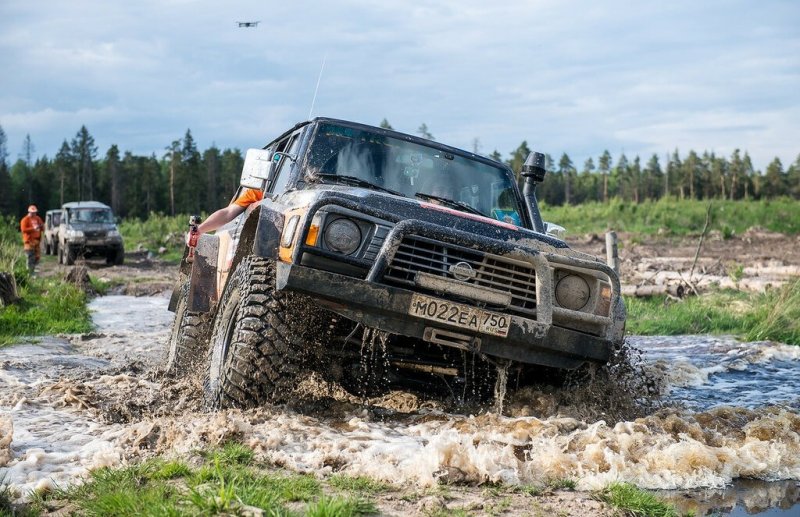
x: 385, y: 124
x: 424, y: 133
x: 84, y: 152
x: 604, y: 166
x: 28, y: 150
x: 211, y: 159
x: 173, y: 157
x: 65, y: 172
x: 6, y: 200
x: 113, y: 169
x: 653, y: 178
x: 774, y: 179
x: 567, y: 170
x: 517, y: 159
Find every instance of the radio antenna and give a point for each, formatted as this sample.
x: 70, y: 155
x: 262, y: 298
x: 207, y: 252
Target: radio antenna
x: 314, y: 99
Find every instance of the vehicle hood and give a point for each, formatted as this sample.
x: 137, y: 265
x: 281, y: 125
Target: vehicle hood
x: 399, y: 208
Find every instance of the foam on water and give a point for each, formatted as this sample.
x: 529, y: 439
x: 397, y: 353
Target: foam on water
x: 709, y: 371
x: 53, y: 429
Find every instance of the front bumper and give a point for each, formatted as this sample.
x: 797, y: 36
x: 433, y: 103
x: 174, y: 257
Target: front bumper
x: 387, y: 308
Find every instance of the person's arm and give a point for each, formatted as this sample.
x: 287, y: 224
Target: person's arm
x: 219, y: 218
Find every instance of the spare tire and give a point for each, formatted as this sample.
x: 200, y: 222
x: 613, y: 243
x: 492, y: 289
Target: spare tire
x: 255, y: 356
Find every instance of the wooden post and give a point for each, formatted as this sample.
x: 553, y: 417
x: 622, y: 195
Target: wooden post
x: 612, y: 254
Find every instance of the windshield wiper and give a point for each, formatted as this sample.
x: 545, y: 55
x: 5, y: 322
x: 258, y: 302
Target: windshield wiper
x: 356, y: 182
x: 459, y: 205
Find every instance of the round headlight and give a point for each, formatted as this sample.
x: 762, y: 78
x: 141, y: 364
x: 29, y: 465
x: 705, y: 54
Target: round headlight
x: 572, y: 292
x: 342, y: 236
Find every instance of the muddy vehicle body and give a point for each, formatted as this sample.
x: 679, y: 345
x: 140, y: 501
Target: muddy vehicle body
x: 430, y: 257
x: 88, y: 229
x: 52, y: 220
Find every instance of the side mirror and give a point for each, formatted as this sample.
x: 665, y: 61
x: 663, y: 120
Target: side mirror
x: 258, y: 168
x: 555, y: 230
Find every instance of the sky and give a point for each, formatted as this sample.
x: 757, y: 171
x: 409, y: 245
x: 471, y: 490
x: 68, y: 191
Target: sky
x: 575, y: 77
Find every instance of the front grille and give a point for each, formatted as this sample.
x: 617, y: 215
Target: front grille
x: 95, y: 235
x: 420, y: 254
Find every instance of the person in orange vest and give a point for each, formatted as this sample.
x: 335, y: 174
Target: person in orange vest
x: 31, y: 227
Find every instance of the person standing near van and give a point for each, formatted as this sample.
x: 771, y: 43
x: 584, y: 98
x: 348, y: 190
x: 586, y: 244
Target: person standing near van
x: 31, y: 227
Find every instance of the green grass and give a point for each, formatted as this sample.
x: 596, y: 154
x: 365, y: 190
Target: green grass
x: 227, y: 482
x: 774, y: 315
x: 155, y: 232
x: 48, y: 306
x: 357, y: 484
x: 675, y: 217
x: 635, y: 502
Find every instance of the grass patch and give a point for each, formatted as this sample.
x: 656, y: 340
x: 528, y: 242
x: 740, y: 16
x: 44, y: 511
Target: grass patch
x: 635, y: 502
x: 228, y: 482
x: 357, y: 484
x: 231, y: 453
x: 157, y: 231
x: 774, y: 315
x: 48, y: 306
x: 338, y: 507
x: 677, y: 217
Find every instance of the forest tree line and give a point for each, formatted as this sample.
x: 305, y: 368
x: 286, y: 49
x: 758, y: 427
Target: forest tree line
x: 184, y: 179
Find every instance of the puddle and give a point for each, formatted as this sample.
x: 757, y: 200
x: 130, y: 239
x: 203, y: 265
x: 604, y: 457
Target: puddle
x: 730, y: 444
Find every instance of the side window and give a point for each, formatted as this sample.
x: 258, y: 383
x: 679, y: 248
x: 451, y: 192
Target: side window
x: 282, y: 177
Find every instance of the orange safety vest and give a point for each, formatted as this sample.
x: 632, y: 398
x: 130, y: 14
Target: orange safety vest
x: 248, y: 197
x: 31, y: 227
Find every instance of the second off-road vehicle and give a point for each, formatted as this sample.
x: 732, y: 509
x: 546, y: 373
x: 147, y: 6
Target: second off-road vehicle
x: 52, y: 220
x: 379, y: 254
x: 87, y: 229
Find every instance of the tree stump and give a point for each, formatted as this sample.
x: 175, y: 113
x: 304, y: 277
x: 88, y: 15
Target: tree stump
x: 79, y: 277
x: 8, y: 289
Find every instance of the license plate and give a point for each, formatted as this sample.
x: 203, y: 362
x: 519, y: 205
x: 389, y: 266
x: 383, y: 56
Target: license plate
x: 462, y: 316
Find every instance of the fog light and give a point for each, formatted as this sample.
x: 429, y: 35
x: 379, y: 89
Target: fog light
x: 572, y: 292
x: 342, y: 236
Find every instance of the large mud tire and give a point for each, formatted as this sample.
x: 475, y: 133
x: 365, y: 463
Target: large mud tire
x: 188, y: 340
x: 67, y: 255
x: 255, y: 354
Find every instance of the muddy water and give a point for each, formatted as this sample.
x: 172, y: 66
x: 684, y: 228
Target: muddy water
x: 729, y: 440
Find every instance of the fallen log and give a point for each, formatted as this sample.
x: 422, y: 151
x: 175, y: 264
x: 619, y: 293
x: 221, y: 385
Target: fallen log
x: 646, y: 291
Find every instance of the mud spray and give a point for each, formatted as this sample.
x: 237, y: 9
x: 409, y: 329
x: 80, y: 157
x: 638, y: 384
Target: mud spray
x: 70, y: 405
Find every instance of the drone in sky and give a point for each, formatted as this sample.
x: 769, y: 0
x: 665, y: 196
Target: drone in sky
x: 248, y: 24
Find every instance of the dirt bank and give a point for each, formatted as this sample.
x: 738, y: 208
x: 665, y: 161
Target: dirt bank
x: 754, y: 261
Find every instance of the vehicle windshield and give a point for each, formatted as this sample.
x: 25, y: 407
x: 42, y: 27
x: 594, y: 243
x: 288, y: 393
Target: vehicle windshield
x: 410, y: 168
x: 91, y: 215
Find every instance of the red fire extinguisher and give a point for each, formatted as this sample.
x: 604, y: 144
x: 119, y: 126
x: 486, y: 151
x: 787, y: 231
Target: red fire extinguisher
x: 194, y: 222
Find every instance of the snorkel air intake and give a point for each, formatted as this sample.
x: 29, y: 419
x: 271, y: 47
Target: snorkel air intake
x: 533, y: 171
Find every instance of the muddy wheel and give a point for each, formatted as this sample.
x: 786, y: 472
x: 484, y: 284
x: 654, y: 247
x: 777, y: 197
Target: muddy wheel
x: 188, y: 339
x: 254, y: 354
x: 67, y: 255
x: 115, y: 257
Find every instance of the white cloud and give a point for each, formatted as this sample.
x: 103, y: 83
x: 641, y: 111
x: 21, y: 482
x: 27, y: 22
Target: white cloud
x: 576, y: 77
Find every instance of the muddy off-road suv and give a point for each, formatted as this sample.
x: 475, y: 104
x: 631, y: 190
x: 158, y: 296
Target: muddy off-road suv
x: 379, y: 255
x: 87, y: 229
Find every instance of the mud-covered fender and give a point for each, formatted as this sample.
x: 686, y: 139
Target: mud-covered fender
x: 261, y: 234
x: 203, y: 276
x: 268, y: 232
